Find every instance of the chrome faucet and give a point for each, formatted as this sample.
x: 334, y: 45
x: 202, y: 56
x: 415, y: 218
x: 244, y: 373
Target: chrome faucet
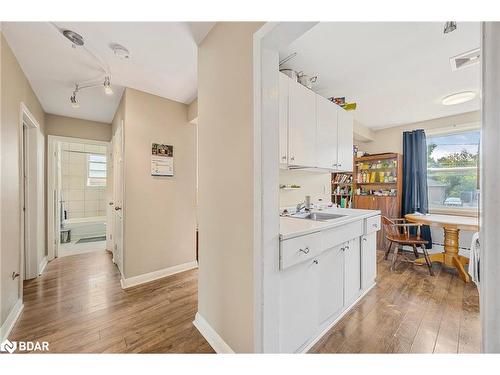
x: 304, y: 205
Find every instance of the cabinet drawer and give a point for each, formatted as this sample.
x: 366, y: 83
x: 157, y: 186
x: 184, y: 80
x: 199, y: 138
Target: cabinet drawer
x: 341, y: 234
x: 299, y: 249
x: 372, y: 224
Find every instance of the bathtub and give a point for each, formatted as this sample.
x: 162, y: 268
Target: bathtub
x: 83, y: 227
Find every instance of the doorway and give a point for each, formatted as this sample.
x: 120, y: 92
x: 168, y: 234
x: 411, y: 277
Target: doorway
x: 78, y: 196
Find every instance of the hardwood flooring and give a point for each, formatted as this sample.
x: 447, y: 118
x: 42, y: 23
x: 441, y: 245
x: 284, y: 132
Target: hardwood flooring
x: 78, y: 306
x: 409, y: 311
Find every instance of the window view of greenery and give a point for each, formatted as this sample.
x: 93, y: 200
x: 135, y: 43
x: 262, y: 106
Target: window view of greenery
x: 452, y: 168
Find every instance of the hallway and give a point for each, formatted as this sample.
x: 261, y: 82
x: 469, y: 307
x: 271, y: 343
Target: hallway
x: 78, y: 306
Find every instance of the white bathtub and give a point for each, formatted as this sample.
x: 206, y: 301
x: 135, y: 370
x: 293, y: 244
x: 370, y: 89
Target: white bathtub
x: 84, y: 227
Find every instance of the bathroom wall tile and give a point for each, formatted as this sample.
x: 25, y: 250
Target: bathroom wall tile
x: 91, y: 194
x: 102, y: 149
x: 65, y: 156
x: 77, y: 182
x: 78, y: 169
x: 65, y: 168
x: 76, y: 195
x: 77, y: 158
x: 103, y: 205
x: 91, y: 206
x: 92, y: 148
x: 75, y: 205
x: 65, y: 183
x: 101, y: 213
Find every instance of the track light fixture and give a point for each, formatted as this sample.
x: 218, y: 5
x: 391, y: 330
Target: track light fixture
x: 106, y: 84
x: 449, y: 27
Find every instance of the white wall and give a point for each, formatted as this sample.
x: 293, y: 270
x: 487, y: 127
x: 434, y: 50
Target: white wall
x: 159, y: 212
x: 317, y: 185
x: 226, y: 195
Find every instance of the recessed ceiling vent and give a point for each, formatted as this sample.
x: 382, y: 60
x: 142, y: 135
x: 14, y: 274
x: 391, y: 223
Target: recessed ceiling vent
x: 465, y: 59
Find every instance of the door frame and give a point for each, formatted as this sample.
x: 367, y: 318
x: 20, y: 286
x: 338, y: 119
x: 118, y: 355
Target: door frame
x: 52, y: 144
x: 120, y: 261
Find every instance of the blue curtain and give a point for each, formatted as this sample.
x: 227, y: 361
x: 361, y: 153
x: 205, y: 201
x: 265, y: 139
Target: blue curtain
x: 415, y: 177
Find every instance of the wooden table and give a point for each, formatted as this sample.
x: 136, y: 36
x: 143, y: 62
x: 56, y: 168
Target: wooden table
x: 451, y: 225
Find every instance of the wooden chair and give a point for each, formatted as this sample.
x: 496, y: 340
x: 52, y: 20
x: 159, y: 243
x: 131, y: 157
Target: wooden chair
x: 397, y: 231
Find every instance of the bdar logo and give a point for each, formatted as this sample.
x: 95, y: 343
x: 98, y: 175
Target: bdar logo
x: 8, y: 346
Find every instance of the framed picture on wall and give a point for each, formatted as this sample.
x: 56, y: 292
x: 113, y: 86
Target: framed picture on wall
x: 162, y: 160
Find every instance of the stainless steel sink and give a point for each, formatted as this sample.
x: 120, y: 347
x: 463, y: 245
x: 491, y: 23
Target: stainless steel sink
x: 317, y: 216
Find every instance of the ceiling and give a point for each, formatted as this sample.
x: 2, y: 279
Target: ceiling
x: 163, y: 61
x: 397, y: 73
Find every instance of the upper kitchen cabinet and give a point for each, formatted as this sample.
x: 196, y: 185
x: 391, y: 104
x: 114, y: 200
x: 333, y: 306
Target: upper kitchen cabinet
x: 345, y: 123
x: 301, y: 125
x: 326, y: 133
x: 283, y: 117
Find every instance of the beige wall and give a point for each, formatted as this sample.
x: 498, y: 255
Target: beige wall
x: 391, y: 139
x: 159, y: 212
x: 317, y: 185
x: 193, y: 111
x: 226, y: 157
x: 15, y: 89
x: 76, y: 128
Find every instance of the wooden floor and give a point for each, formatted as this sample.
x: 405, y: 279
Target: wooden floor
x: 78, y: 306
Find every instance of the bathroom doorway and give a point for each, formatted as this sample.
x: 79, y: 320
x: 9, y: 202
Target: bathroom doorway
x: 78, y: 195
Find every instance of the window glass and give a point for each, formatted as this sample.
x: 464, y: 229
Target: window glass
x: 452, y: 170
x: 96, y: 170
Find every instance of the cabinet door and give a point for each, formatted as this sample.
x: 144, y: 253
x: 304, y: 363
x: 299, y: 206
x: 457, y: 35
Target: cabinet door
x: 298, y: 306
x: 352, y: 271
x: 326, y: 133
x: 331, y: 283
x: 301, y: 125
x: 345, y: 125
x: 283, y: 117
x: 368, y: 260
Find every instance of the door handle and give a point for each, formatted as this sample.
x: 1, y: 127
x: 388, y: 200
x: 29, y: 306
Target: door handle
x: 292, y: 158
x: 117, y: 208
x: 111, y: 203
x: 283, y: 157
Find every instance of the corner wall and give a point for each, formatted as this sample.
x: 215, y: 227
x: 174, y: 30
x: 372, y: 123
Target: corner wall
x: 76, y: 128
x: 159, y: 212
x: 15, y: 89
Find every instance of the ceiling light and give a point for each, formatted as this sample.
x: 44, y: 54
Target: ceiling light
x: 74, y: 101
x: 73, y: 37
x: 107, y: 86
x: 449, y: 27
x: 458, y: 98
x: 120, y: 51
x: 465, y: 59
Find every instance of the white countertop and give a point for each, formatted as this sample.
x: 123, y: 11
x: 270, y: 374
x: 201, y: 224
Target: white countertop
x: 292, y: 227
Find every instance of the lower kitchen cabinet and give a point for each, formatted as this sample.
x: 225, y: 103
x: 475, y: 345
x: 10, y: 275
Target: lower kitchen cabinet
x: 352, y: 271
x: 368, y: 260
x: 298, y: 305
x: 331, y: 279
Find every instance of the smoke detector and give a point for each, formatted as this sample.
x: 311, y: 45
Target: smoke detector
x: 73, y: 37
x: 120, y: 51
x: 465, y: 59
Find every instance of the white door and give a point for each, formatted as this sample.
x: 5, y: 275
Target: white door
x: 345, y: 140
x: 110, y: 218
x: 331, y: 283
x: 368, y: 260
x: 59, y: 203
x: 283, y: 117
x: 352, y: 271
x: 298, y: 305
x: 326, y: 133
x: 301, y: 125
x: 118, y: 197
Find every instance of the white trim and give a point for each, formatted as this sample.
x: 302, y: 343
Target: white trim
x: 212, y: 337
x: 155, y: 275
x: 453, y: 129
x: 11, y: 320
x: 42, y: 265
x: 335, y: 321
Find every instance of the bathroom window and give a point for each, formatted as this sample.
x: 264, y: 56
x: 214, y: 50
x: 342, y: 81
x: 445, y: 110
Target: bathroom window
x: 452, y: 171
x: 96, y: 170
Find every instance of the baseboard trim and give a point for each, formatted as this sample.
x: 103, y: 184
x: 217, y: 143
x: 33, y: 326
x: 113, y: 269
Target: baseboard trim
x: 11, y: 320
x: 42, y: 265
x: 334, y: 322
x: 212, y: 337
x: 155, y: 275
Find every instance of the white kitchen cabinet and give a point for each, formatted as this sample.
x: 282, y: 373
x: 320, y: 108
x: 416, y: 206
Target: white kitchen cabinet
x: 326, y: 133
x: 345, y: 126
x: 368, y: 259
x: 301, y: 125
x: 331, y: 283
x: 283, y: 118
x: 298, y: 305
x: 352, y: 271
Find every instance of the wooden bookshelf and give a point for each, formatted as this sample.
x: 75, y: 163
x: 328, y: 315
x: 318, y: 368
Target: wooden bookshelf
x: 342, y: 188
x: 378, y: 185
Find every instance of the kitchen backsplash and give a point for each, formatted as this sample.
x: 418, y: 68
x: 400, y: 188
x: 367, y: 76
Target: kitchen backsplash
x: 317, y: 185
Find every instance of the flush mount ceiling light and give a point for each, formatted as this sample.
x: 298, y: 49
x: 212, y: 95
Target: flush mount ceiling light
x: 449, y: 27
x: 458, y: 98
x: 120, y: 51
x: 73, y: 37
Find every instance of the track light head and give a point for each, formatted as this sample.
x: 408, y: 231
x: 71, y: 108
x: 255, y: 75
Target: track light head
x: 107, y: 86
x: 74, y: 101
x: 449, y: 27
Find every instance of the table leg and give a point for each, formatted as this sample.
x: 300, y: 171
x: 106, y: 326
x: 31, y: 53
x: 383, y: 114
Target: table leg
x: 450, y: 255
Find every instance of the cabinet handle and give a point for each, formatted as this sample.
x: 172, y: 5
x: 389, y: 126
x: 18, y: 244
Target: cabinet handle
x: 305, y: 251
x: 374, y: 225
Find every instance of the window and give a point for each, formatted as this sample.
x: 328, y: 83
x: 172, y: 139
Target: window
x: 96, y: 170
x: 452, y: 171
